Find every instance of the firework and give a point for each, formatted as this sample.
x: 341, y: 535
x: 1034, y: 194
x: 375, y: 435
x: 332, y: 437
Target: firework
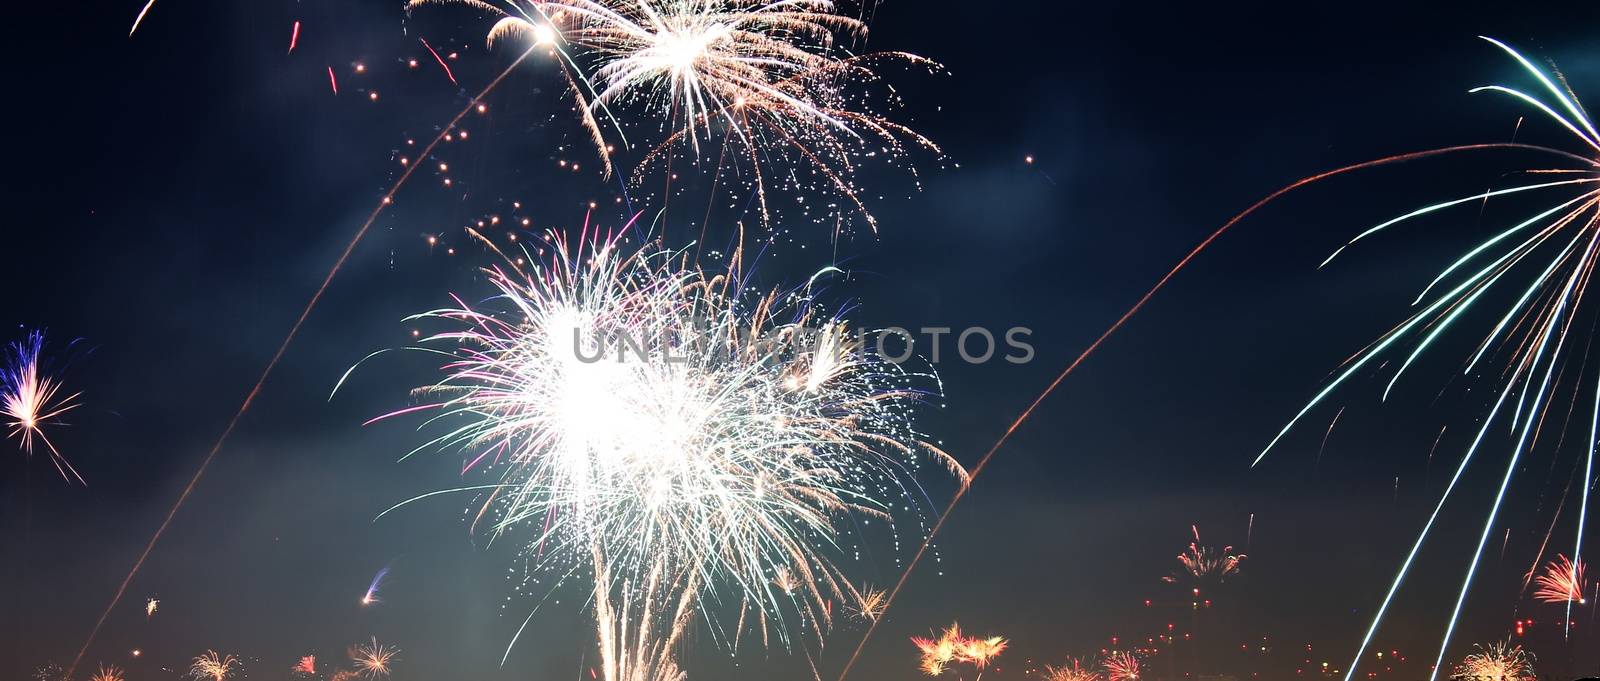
x: 107, y: 673
x: 679, y: 437
x: 1553, y: 252
x: 150, y: 607
x: 371, y: 596
x: 1562, y: 582
x: 140, y: 19
x: 1121, y: 666
x: 213, y: 666
x: 373, y: 659
x: 1204, y: 564
x: 870, y: 605
x: 1496, y: 662
x: 1073, y: 670
x: 30, y: 399
x: 50, y: 672
x: 953, y: 647
x: 765, y: 77
x: 306, y: 666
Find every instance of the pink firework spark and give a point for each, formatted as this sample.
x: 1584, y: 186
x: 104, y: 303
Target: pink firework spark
x: 1563, y: 581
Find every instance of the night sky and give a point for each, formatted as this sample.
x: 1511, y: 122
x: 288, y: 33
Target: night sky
x: 174, y: 198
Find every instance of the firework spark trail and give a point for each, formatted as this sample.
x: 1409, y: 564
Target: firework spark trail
x: 372, y: 589
x: 333, y: 81
x: 439, y: 59
x: 983, y: 462
x: 388, y: 198
x: 140, y: 19
x: 294, y: 37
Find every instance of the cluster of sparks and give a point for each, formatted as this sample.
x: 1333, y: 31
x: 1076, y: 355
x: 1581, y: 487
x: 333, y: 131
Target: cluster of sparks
x: 1121, y: 666
x: 1073, y: 670
x: 686, y: 441
x: 373, y: 659
x: 1496, y: 662
x: 107, y: 673
x: 1555, y: 250
x: 766, y: 78
x: 1563, y: 581
x: 1205, y: 564
x: 31, y: 399
x: 952, y: 647
x: 213, y: 666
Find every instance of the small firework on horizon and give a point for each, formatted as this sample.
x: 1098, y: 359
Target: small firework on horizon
x: 107, y: 673
x: 1496, y: 662
x: 1073, y: 670
x: 213, y: 666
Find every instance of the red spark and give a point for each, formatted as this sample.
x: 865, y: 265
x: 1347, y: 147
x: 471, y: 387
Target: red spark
x: 333, y: 80
x: 294, y: 37
x: 436, y: 58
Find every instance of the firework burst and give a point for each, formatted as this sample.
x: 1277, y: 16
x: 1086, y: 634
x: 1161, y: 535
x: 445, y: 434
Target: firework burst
x: 1552, y: 251
x: 1121, y: 666
x: 1563, y: 581
x: 870, y: 605
x: 373, y: 659
x: 1496, y: 662
x: 30, y: 399
x: 953, y: 647
x: 1207, y: 564
x: 684, y: 440
x: 107, y: 673
x: 1073, y: 670
x: 766, y: 78
x: 213, y: 666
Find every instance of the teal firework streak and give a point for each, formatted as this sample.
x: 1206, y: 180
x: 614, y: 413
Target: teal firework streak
x: 1560, y: 243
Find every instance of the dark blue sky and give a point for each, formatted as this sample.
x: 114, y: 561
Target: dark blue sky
x: 174, y: 198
